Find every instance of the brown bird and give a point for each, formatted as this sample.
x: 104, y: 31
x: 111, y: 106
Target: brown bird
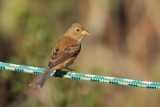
x: 63, y: 53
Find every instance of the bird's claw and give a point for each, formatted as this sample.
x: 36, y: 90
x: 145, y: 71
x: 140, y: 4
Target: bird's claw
x: 70, y: 72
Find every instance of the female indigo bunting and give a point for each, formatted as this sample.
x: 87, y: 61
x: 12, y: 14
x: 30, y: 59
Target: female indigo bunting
x: 63, y: 53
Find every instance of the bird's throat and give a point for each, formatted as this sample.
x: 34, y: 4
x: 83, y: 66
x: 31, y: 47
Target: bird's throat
x: 80, y: 39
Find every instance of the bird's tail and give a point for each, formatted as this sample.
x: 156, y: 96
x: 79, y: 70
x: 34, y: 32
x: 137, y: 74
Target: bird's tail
x: 40, y: 80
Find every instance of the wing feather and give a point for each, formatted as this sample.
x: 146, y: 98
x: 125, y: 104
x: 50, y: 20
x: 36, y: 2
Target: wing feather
x: 62, y: 55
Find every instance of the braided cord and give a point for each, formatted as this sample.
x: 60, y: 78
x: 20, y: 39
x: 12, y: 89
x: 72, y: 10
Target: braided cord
x: 83, y: 76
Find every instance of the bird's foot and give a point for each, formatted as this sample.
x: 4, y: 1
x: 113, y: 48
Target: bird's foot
x: 70, y: 72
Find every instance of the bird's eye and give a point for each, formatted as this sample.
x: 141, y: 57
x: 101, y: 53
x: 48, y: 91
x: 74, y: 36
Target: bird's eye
x: 77, y: 30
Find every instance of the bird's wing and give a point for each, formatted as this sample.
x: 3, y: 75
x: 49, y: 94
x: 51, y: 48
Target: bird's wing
x: 58, y: 56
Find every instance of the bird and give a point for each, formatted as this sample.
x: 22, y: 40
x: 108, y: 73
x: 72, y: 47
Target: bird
x: 63, y: 53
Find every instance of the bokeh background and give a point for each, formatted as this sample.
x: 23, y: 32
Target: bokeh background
x: 124, y: 42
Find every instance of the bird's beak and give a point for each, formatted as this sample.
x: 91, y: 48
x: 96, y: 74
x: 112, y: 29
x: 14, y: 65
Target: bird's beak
x: 85, y: 32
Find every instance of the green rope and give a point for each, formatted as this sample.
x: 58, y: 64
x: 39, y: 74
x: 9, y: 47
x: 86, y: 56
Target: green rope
x: 83, y: 77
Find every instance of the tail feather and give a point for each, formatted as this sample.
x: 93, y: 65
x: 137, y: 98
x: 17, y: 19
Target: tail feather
x: 40, y: 80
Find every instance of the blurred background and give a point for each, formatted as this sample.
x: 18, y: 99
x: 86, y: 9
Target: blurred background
x: 124, y: 42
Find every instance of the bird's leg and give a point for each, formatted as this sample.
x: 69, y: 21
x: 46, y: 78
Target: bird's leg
x: 71, y: 70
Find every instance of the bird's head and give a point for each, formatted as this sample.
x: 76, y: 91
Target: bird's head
x: 76, y: 31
